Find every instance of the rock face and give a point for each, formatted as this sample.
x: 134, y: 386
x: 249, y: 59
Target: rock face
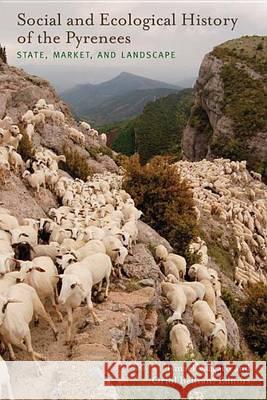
x: 231, y: 85
x: 20, y: 91
x: 22, y: 201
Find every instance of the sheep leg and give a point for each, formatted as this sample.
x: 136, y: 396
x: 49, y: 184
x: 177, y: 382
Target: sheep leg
x: 34, y: 354
x: 119, y: 267
x: 107, y: 286
x: 100, y: 286
x: 55, y: 306
x: 70, y: 322
x: 56, y: 294
x: 40, y: 310
x: 91, y: 309
x: 11, y: 352
x: 36, y: 320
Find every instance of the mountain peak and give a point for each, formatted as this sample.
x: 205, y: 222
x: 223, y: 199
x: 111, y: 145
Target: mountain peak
x: 87, y: 97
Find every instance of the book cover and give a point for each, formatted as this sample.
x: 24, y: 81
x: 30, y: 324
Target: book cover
x: 133, y: 199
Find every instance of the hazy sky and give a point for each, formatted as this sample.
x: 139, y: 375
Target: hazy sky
x: 190, y: 43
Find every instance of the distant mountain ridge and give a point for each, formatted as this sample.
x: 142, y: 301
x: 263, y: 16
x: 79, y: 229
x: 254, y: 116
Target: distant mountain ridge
x: 119, y: 98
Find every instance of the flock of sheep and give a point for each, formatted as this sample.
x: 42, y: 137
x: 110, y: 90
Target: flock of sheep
x: 233, y: 203
x: 10, y: 135
x: 65, y: 258
x: 200, y: 295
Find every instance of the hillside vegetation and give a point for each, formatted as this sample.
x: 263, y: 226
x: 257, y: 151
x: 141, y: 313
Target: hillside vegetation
x: 165, y: 199
x: 157, y: 131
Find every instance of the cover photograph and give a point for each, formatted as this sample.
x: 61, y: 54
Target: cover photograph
x: 133, y: 199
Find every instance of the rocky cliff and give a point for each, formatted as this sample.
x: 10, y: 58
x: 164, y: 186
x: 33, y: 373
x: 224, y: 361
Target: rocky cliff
x: 229, y: 115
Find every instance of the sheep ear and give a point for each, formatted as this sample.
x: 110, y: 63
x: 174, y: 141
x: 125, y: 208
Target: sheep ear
x: 24, y: 234
x: 39, y: 269
x: 213, y: 323
x: 222, y: 330
x: 9, y: 301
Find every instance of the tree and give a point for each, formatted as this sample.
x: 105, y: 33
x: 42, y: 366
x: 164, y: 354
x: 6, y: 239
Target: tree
x: 3, y: 55
x: 165, y: 199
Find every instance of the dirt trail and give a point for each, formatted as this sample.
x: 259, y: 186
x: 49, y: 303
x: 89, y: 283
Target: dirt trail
x: 123, y: 315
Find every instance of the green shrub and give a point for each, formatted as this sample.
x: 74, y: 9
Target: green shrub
x: 254, y: 318
x: 248, y: 51
x: 232, y: 303
x: 159, y: 129
x: 76, y: 164
x: 165, y: 199
x: 92, y: 151
x: 124, y: 141
x: 106, y: 151
x: 245, y: 101
x: 222, y: 258
x: 199, y: 120
x: 25, y: 148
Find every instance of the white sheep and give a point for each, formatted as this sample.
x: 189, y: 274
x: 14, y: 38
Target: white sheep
x: 28, y: 117
x: 6, y: 248
x: 76, y: 136
x: 170, y: 269
x: 199, y: 272
x: 17, y: 309
x: 38, y: 120
x: 131, y: 213
x: 15, y: 160
x: 130, y: 228
x: 59, y: 117
x: 85, y: 127
x: 203, y: 317
x: 210, y: 296
x: 116, y: 251
x: 6, y: 122
x: 90, y: 248
x: 29, y: 131
x: 181, y: 343
x: 24, y: 233
x: 35, y: 180
x: 77, y: 283
x: 103, y: 139
x: 40, y: 273
x: 161, y: 253
x: 41, y: 103
x: 256, y: 175
x: 179, y: 262
x: 219, y: 337
x: 8, y: 222
x: 5, y: 262
x: 8, y: 280
x: 176, y: 298
x: 15, y: 141
x: 51, y: 250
